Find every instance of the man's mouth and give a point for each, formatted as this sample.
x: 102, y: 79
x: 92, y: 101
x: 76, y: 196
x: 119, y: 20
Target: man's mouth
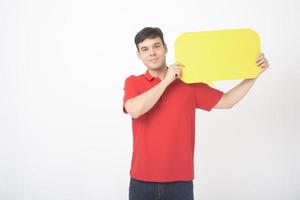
x: 154, y: 60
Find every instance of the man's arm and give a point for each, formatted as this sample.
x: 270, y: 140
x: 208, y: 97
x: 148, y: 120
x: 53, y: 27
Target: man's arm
x: 142, y: 103
x: 234, y: 95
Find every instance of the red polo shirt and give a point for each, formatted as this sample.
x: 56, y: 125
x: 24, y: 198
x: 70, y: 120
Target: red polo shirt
x: 164, y: 137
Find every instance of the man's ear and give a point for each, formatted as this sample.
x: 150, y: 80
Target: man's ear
x: 166, y: 48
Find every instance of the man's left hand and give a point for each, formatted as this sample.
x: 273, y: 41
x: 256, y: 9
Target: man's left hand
x: 262, y: 62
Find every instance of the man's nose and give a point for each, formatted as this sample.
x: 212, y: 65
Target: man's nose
x: 152, y: 51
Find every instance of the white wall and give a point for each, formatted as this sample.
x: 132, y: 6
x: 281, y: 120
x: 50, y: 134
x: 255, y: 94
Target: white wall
x: 62, y: 68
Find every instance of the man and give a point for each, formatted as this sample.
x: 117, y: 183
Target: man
x: 162, y: 108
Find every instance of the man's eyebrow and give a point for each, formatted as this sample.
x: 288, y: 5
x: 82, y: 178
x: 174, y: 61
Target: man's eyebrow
x: 143, y: 47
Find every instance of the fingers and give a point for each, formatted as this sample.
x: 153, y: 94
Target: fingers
x: 261, y: 61
x: 177, y: 72
x: 179, y: 64
x: 176, y: 68
x: 260, y: 57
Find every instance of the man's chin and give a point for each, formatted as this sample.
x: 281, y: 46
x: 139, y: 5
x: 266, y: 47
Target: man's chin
x: 155, y: 68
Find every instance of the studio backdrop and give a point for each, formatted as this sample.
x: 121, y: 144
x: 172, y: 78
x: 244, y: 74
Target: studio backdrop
x: 64, y: 136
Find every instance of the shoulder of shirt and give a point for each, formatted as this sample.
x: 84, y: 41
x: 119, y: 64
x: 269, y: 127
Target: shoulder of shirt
x: 135, y: 77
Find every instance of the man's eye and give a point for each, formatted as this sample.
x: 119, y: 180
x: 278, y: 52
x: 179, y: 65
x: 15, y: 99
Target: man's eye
x: 144, y: 50
x: 157, y: 46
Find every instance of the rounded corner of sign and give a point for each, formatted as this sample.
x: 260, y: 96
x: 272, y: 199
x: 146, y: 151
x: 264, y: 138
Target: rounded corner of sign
x: 253, y: 32
x: 179, y: 37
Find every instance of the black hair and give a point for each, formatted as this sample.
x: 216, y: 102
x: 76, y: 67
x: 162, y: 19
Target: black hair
x: 148, y: 33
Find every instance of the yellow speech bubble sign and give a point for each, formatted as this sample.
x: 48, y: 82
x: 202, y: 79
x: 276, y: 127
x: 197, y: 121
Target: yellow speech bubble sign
x: 211, y: 56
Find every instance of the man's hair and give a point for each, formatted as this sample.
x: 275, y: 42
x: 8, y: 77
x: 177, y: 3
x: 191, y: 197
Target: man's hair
x: 148, y: 33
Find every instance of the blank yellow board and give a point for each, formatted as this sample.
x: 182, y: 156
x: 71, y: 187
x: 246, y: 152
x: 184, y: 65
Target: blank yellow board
x: 211, y: 56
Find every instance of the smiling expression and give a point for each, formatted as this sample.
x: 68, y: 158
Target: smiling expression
x: 153, y: 53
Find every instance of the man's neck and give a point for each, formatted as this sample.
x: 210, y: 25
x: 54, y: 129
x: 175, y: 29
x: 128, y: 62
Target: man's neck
x: 161, y: 73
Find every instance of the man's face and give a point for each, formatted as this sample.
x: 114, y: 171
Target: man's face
x: 153, y: 53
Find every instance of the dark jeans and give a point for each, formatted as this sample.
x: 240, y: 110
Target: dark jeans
x: 178, y: 190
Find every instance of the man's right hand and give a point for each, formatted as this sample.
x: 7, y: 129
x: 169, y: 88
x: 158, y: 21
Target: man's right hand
x: 174, y: 72
x: 142, y: 103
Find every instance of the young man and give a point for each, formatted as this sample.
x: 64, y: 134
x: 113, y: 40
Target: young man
x: 162, y: 108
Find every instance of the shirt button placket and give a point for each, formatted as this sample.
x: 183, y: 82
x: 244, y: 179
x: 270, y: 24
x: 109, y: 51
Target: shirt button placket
x: 160, y: 190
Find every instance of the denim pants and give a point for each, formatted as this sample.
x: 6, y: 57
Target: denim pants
x: 177, y: 190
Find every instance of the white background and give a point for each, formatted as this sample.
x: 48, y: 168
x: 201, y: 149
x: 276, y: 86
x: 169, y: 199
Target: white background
x: 62, y: 68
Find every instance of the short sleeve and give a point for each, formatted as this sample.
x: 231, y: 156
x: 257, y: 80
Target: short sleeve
x: 130, y: 90
x: 206, y: 97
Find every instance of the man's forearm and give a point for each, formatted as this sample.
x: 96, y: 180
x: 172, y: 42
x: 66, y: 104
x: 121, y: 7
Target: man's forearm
x: 142, y: 103
x: 234, y: 95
